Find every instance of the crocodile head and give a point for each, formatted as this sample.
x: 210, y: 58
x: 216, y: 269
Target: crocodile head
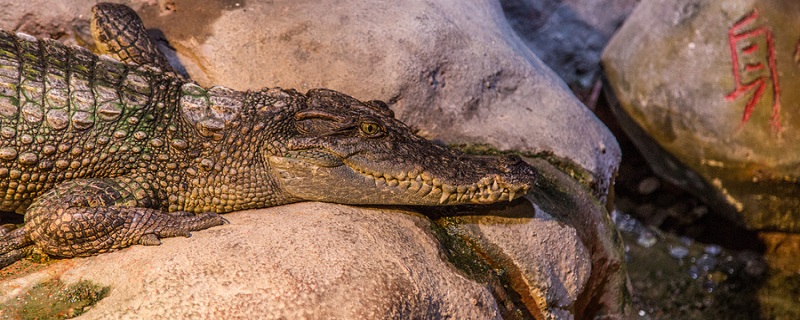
x: 347, y: 151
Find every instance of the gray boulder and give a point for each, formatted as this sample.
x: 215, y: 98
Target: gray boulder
x: 705, y: 89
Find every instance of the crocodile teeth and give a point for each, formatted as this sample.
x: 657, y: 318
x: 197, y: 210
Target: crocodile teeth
x: 486, y: 190
x: 445, y: 196
x: 425, y: 189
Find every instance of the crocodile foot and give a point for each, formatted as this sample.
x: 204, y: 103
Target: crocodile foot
x: 85, y: 217
x: 14, y: 245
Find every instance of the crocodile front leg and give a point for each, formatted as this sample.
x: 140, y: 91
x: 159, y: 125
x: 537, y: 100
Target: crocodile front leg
x: 85, y: 217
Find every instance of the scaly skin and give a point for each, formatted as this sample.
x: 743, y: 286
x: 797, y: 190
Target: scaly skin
x: 100, y: 155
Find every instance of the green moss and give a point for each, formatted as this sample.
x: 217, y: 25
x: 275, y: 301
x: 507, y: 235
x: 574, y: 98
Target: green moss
x: 463, y: 254
x: 54, y: 300
x: 460, y: 252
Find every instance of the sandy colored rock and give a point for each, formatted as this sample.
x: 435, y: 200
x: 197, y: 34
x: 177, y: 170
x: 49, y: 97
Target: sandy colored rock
x: 706, y: 90
x: 561, y: 257
x: 302, y: 261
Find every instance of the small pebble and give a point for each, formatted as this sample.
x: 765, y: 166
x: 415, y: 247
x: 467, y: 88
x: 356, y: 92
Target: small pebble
x: 699, y: 211
x: 706, y: 262
x: 755, y: 268
x: 694, y: 272
x: 649, y: 185
x: 712, y: 249
x: 646, y: 239
x: 679, y: 252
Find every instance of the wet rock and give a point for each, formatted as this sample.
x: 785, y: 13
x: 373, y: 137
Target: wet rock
x: 712, y: 249
x: 678, y: 252
x: 699, y: 89
x: 568, y: 35
x: 570, y: 262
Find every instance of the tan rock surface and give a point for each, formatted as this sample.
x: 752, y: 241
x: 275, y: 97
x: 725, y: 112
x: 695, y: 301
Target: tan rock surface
x: 560, y: 257
x: 301, y: 261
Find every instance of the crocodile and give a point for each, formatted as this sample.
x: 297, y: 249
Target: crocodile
x: 101, y: 152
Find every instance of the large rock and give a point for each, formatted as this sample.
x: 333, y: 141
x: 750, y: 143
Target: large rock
x: 454, y: 70
x: 706, y: 89
x: 563, y: 256
x: 560, y: 258
x: 309, y: 260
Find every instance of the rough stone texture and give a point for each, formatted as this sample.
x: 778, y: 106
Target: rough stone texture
x: 302, y: 261
x: 568, y: 35
x: 454, y: 70
x: 564, y: 252
x: 314, y: 260
x: 561, y: 257
x: 685, y: 102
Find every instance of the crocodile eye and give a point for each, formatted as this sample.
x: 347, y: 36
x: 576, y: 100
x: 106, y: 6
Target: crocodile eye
x: 370, y: 128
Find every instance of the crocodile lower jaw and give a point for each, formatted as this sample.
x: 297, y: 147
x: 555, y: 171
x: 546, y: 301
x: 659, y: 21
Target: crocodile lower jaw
x: 421, y: 185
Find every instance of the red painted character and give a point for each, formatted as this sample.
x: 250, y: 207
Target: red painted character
x: 754, y: 69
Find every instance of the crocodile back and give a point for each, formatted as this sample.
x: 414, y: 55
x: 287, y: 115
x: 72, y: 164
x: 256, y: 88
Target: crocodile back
x: 66, y: 113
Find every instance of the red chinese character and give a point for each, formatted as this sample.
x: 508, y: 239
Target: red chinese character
x: 749, y: 60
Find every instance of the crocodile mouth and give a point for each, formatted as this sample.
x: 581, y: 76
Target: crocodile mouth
x: 321, y: 176
x: 488, y: 189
